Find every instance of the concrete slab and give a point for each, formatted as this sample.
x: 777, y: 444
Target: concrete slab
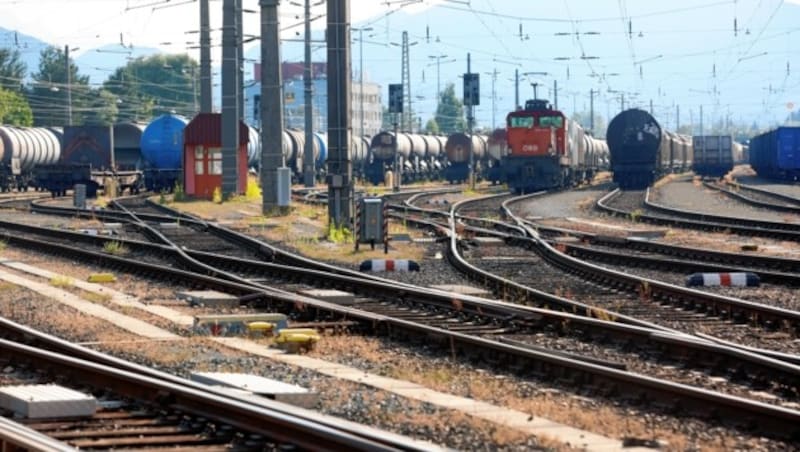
x: 234, y: 324
x: 331, y: 296
x: 46, y: 401
x: 210, y: 298
x: 462, y: 289
x: 125, y: 322
x: 117, y: 297
x: 265, y: 387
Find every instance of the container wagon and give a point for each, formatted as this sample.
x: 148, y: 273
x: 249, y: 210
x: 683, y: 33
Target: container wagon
x: 776, y: 154
x: 714, y: 155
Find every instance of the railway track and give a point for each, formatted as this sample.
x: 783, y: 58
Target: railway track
x: 654, y: 213
x: 420, y: 312
x: 622, y: 290
x: 139, y: 407
x: 757, y: 196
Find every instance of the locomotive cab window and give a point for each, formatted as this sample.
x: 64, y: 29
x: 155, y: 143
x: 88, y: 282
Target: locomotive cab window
x: 521, y: 121
x: 551, y: 121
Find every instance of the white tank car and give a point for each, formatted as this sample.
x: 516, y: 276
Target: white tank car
x: 457, y: 147
x: 497, y: 144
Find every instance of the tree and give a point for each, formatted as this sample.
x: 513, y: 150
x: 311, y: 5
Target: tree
x: 14, y: 109
x: 450, y: 112
x: 154, y: 85
x: 12, y: 70
x: 582, y: 118
x: 49, y: 97
x: 102, y: 109
x: 432, y: 127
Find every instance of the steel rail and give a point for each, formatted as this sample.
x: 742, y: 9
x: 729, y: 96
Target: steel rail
x: 753, y: 202
x: 24, y: 334
x: 301, y: 432
x: 694, y: 220
x: 471, y: 305
x: 18, y: 437
x: 765, y: 415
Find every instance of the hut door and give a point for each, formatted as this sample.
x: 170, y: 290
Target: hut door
x: 208, y: 170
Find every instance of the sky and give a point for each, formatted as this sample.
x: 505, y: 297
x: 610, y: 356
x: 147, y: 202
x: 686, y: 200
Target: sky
x: 680, y: 55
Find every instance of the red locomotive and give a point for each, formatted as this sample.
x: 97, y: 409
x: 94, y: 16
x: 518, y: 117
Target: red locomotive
x: 548, y: 150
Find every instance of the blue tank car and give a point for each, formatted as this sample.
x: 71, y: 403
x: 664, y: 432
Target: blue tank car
x: 162, y: 150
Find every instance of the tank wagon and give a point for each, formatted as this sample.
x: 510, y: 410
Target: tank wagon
x: 640, y: 150
x: 596, y: 153
x: 547, y: 150
x: 776, y: 154
x: 22, y: 148
x: 419, y: 156
x: 715, y: 155
x: 88, y: 156
x: 162, y: 151
x: 496, y: 148
x: 457, y: 149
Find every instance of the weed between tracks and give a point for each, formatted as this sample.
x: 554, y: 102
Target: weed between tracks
x: 115, y: 248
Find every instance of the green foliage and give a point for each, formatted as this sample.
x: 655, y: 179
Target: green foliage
x: 12, y: 70
x: 178, y: 193
x: 155, y: 85
x: 339, y: 234
x: 3, y: 245
x: 115, y: 248
x: 450, y: 112
x: 636, y: 214
x: 102, y: 108
x: 253, y: 190
x: 48, y: 94
x: 432, y: 127
x: 14, y: 109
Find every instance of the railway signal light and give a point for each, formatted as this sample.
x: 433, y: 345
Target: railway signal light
x: 395, y: 98
x: 472, y: 89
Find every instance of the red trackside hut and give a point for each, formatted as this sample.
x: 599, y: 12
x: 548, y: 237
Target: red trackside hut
x: 202, y: 155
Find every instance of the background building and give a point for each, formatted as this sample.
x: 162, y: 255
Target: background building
x: 294, y: 100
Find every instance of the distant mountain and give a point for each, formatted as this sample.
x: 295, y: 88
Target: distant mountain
x: 29, y: 48
x: 101, y: 62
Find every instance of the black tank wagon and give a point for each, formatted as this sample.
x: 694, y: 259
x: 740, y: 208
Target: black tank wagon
x: 641, y: 150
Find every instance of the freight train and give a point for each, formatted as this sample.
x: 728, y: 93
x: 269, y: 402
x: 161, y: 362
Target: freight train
x: 89, y: 155
x: 497, y: 148
x: 457, y: 148
x: 419, y: 157
x: 136, y: 156
x: 715, y: 155
x: 641, y: 150
x: 21, y: 148
x: 776, y: 154
x: 547, y: 150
